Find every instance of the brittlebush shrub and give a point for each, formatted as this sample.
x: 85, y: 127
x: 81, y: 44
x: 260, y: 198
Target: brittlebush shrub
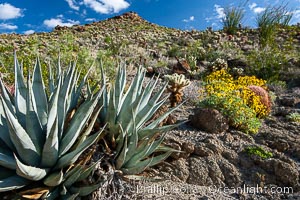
x: 236, y: 99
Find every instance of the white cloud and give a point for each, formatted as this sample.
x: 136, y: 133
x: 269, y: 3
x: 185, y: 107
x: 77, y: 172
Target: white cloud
x: 53, y: 22
x: 296, y: 16
x: 256, y: 9
x: 90, y: 19
x: 28, y: 32
x: 4, y: 26
x: 72, y: 4
x: 216, y: 18
x: 106, y: 6
x: 191, y: 18
x: 220, y: 11
x: 253, y: 5
x: 8, y: 11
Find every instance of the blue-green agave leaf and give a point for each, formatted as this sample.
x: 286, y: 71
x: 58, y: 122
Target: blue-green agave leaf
x: 5, y: 172
x: 120, y: 86
x: 142, y: 165
x: 54, y: 179
x: 39, y: 93
x: 6, y: 96
x: 53, y: 108
x: 62, y: 103
x: 13, y: 183
x: 85, y: 190
x: 52, y: 194
x: 33, y: 126
x: 69, y: 196
x: 147, y: 151
x: 73, y: 178
x: 21, y: 140
x: 7, y: 158
x: 72, y: 156
x: 122, y: 156
x: 50, y: 150
x: 88, y: 171
x: 50, y: 80
x: 4, y: 135
x: 29, y: 172
x: 79, y: 88
x: 151, y: 132
x: 152, y: 106
x: 89, y: 128
x: 77, y: 124
x: 132, y: 143
x: 155, y: 123
x: 137, y: 168
x: 20, y: 94
x: 72, y: 171
x: 147, y: 93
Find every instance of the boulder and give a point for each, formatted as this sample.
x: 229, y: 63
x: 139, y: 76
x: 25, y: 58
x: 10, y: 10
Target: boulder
x: 210, y: 120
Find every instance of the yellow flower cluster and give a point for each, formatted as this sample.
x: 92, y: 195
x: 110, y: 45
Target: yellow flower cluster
x: 235, y: 99
x: 254, y: 102
x: 220, y: 75
x: 251, y: 80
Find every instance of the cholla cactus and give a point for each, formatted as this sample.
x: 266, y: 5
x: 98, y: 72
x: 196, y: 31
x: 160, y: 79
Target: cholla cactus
x: 176, y: 85
x: 219, y: 64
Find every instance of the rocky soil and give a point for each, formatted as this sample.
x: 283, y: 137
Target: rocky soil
x: 215, y: 165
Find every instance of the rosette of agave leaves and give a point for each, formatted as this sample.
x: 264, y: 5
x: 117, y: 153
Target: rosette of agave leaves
x: 42, y: 136
x: 134, y: 139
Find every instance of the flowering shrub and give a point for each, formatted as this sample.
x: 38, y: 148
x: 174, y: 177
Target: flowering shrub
x: 241, y: 100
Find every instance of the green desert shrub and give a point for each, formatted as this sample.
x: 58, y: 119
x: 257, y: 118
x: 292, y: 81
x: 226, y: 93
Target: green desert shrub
x: 258, y: 151
x: 65, y: 46
x: 267, y: 63
x: 268, y: 22
x: 233, y: 17
x: 293, y: 117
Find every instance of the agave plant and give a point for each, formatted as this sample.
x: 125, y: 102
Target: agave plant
x: 136, y: 141
x: 39, y: 138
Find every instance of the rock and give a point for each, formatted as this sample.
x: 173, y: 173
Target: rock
x: 214, y: 171
x: 288, y: 100
x: 176, y: 170
x: 280, y: 111
x: 188, y: 147
x: 237, y: 63
x: 185, y: 147
x: 210, y: 120
x: 231, y: 173
x: 202, y: 151
x: 182, y: 67
x: 286, y: 174
x: 199, y: 172
x: 281, y: 145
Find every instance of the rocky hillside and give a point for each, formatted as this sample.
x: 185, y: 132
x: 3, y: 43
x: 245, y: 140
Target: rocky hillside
x: 210, y: 160
x: 132, y: 38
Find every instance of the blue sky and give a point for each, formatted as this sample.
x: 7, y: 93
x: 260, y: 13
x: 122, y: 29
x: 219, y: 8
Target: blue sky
x: 29, y: 16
